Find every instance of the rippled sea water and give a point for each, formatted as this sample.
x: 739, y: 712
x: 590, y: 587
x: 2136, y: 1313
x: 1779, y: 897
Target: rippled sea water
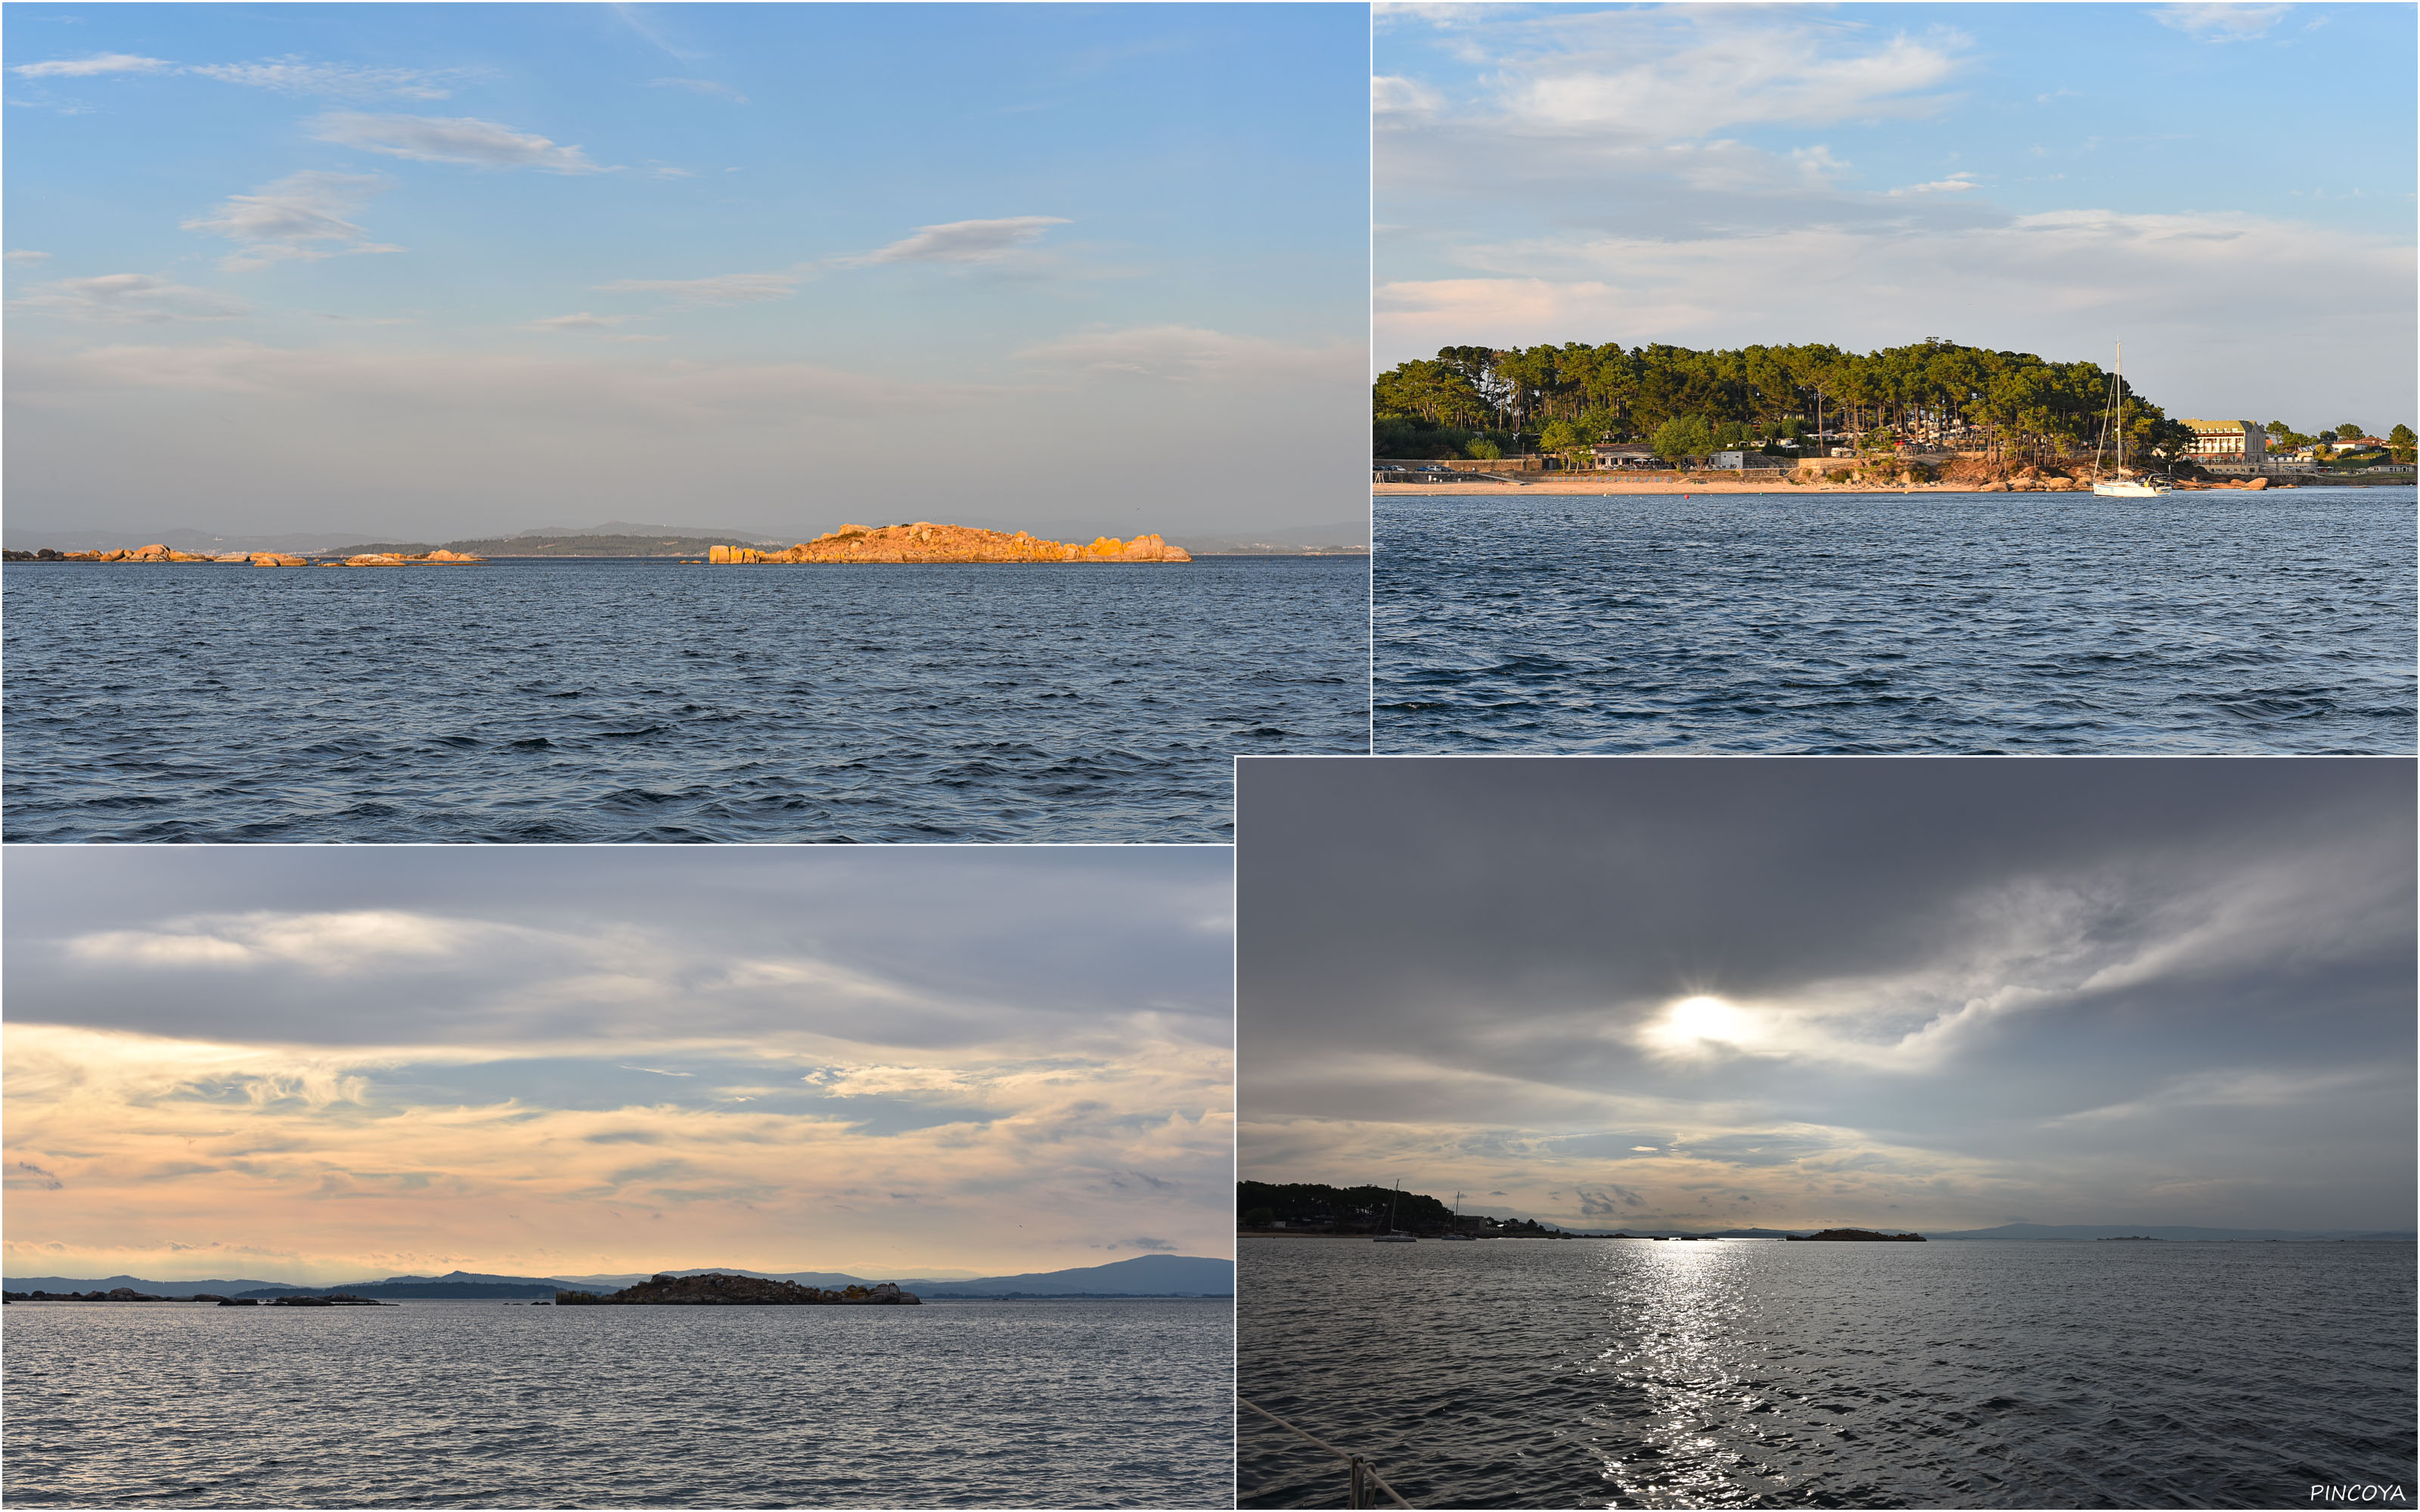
x: 1728, y: 1373
x: 651, y: 701
x: 2246, y: 622
x: 476, y: 1404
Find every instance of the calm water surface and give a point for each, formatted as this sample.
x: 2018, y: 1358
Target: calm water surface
x: 646, y: 701
x: 471, y: 1404
x: 1726, y: 1373
x: 2196, y: 623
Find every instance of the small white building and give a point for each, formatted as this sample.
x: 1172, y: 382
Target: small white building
x: 1624, y: 455
x: 1743, y: 461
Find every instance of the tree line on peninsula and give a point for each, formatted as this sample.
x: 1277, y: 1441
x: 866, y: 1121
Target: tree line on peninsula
x: 1483, y: 401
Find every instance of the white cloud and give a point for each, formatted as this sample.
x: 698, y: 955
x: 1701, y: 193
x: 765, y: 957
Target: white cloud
x: 725, y: 289
x: 127, y: 300
x: 297, y: 75
x: 299, y: 216
x: 581, y: 321
x: 451, y: 139
x: 79, y: 67
x: 331, y: 943
x: 25, y: 258
x: 2058, y: 284
x: 1391, y: 94
x: 702, y: 87
x: 1688, y: 72
x: 963, y: 242
x: 1941, y: 186
x: 2221, y: 23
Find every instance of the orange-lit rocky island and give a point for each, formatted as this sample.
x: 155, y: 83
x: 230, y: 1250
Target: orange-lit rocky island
x: 158, y: 553
x: 922, y: 541
x: 719, y: 1290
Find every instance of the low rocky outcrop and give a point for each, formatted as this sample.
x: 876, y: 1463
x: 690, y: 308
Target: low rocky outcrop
x: 162, y: 553
x: 335, y: 1299
x: 1867, y: 1234
x: 718, y: 1289
x: 922, y: 541
x: 113, y: 1294
x: 391, y: 559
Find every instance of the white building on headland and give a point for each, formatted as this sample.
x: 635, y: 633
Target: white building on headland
x: 1741, y: 461
x: 2227, y: 440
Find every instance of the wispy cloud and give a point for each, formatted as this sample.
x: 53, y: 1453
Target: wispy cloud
x: 298, y: 217
x: 80, y: 67
x: 452, y: 139
x: 581, y: 321
x: 636, y: 17
x: 295, y: 74
x: 127, y: 300
x: 962, y: 241
x: 725, y: 289
x: 2221, y: 23
x: 292, y: 74
x: 25, y: 258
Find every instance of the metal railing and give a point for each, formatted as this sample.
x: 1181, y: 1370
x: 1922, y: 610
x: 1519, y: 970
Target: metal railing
x: 1363, y: 1474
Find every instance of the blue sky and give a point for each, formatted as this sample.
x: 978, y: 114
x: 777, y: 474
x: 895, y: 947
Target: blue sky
x: 636, y: 260
x: 2228, y: 189
x: 880, y: 1061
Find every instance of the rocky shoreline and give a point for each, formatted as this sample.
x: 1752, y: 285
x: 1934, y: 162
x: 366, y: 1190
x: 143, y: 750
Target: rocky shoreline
x: 334, y: 1298
x: 719, y: 1290
x: 1866, y: 1235
x: 158, y: 553
x: 923, y: 541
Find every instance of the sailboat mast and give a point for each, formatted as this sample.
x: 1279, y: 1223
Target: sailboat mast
x: 2118, y: 406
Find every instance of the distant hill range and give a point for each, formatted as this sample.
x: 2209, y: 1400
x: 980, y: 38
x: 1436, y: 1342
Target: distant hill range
x: 1148, y: 1276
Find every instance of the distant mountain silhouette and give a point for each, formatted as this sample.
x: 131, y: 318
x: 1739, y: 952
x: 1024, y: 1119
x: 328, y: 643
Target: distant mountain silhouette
x: 156, y: 1288
x: 1148, y: 1276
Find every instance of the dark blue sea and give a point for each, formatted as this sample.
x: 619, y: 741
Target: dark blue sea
x: 431, y: 1404
x: 2196, y: 623
x: 588, y: 700
x: 1724, y: 1373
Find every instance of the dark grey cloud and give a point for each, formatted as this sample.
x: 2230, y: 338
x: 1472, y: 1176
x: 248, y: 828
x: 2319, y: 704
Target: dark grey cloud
x: 2131, y: 976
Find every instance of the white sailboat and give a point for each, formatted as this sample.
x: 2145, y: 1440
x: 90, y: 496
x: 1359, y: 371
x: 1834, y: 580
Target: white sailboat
x: 2119, y: 487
